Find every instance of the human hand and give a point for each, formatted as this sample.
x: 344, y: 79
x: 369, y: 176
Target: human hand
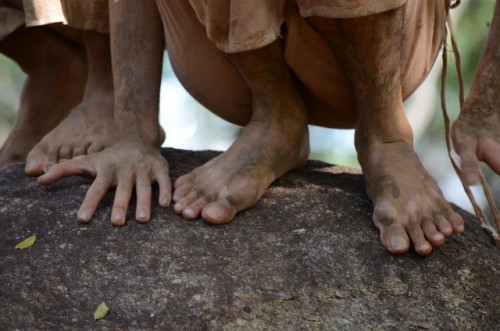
x: 122, y: 165
x: 476, y: 137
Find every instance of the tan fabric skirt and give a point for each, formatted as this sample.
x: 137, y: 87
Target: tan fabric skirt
x: 200, y: 33
x: 81, y: 14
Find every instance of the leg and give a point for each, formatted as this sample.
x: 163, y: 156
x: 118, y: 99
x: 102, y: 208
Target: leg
x: 408, y: 204
x: 274, y: 142
x: 134, y: 159
x: 476, y: 133
x: 88, y: 128
x: 50, y: 62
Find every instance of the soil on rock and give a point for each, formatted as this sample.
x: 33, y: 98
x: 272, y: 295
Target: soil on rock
x: 306, y: 257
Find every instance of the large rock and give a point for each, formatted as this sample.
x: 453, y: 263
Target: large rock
x: 306, y: 257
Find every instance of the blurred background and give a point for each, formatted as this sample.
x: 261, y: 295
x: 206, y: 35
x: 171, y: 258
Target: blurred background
x: 190, y: 126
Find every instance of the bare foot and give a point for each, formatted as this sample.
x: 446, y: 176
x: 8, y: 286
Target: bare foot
x: 47, y: 97
x: 235, y: 180
x: 88, y: 129
x: 409, y: 207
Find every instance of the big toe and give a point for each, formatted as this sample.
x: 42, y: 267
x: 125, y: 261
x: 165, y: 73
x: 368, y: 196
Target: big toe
x: 218, y: 213
x: 394, y: 239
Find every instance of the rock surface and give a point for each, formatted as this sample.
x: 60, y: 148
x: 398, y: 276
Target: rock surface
x: 307, y: 257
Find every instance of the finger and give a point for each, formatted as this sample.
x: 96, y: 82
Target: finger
x: 163, y: 179
x: 143, y: 192
x: 490, y: 154
x: 470, y: 167
x: 94, y: 195
x: 35, y: 161
x: 122, y: 200
x: 76, y: 166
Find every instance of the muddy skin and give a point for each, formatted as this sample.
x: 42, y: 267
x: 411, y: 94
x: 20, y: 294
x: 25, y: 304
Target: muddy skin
x: 47, y: 98
x: 409, y: 208
x: 133, y: 160
x: 89, y: 127
x: 273, y: 143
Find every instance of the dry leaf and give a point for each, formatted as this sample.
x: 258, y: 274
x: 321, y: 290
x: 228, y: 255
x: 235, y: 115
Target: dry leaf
x: 28, y: 242
x: 101, y: 311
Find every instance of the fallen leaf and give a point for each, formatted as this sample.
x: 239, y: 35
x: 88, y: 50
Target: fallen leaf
x: 101, y: 311
x: 28, y: 242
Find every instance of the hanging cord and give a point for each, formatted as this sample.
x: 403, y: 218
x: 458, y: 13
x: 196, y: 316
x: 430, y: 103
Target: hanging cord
x: 479, y: 213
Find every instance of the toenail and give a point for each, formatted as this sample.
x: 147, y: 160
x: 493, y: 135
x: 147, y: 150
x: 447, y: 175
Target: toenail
x: 398, y: 243
x: 188, y: 212
x: 215, y: 213
x: 177, y: 207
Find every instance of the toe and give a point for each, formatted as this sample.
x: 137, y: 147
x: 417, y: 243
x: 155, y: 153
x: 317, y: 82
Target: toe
x: 420, y: 244
x: 393, y: 236
x: 218, y: 212
x: 94, y: 148
x: 65, y: 153
x: 443, y: 225
x: 435, y: 237
x: 193, y: 211
x: 181, y: 191
x: 183, y: 180
x: 457, y: 222
x: 184, y: 202
x: 79, y: 150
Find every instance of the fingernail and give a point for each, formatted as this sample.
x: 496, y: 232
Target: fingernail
x: 83, y: 216
x: 117, y: 216
x: 142, y: 215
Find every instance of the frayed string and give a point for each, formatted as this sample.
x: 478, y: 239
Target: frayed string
x: 479, y: 213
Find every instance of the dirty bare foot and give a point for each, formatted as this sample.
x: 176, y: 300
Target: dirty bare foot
x: 409, y: 208
x: 235, y: 180
x: 274, y: 142
x: 89, y: 127
x: 47, y: 97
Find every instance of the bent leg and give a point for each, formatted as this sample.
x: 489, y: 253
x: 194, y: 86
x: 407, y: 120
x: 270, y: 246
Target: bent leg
x: 56, y: 72
x: 274, y: 142
x: 476, y: 132
x: 89, y: 127
x: 408, y: 204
